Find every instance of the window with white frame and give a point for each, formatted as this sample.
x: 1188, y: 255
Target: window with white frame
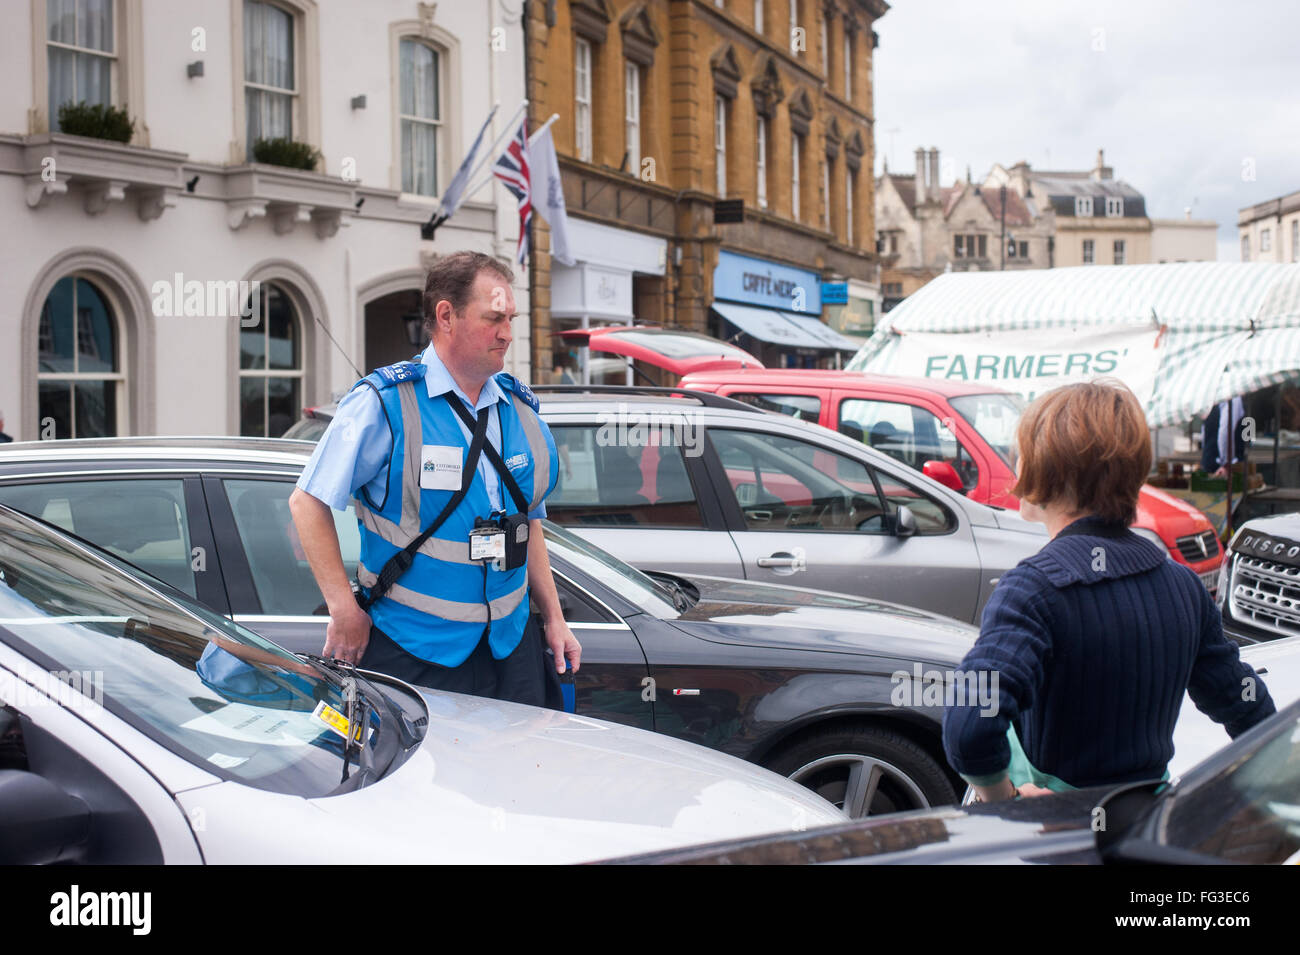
x: 270, y: 85
x: 720, y: 144
x: 1114, y: 206
x: 1266, y: 240
x: 761, y: 152
x: 1088, y: 247
x: 79, y: 379
x: 582, y: 99
x: 850, y: 187
x: 1083, y: 206
x: 794, y: 23
x: 1245, y: 248
x: 82, y: 54
x: 1120, y: 250
x: 632, y: 116
x: 848, y: 65
x: 1295, y: 240
x: 758, y: 16
x: 796, y: 160
x: 420, y: 116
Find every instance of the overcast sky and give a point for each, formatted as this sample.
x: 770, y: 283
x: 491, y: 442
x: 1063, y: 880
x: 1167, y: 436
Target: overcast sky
x: 1182, y: 95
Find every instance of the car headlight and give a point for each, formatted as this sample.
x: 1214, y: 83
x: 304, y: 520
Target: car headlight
x: 1152, y: 536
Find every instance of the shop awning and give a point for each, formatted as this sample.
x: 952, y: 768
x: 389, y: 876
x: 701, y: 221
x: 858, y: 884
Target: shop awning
x: 1183, y: 336
x: 827, y: 336
x: 770, y: 325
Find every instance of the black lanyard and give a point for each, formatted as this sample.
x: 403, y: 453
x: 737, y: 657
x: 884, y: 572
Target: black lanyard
x: 507, y: 478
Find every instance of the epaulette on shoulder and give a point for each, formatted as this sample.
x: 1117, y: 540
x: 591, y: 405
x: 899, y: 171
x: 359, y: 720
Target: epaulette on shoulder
x: 510, y: 383
x: 391, y: 375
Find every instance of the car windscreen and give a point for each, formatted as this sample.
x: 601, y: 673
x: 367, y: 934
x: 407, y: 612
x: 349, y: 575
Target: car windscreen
x: 207, y: 689
x: 994, y: 416
x: 624, y: 579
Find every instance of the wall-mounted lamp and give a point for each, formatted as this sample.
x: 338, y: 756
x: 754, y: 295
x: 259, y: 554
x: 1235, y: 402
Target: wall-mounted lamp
x: 414, y: 323
x: 189, y: 186
x: 360, y: 202
x: 194, y: 69
x: 359, y: 102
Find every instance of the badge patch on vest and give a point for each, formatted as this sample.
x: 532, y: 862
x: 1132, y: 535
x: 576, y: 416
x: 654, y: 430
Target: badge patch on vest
x: 517, y: 461
x: 440, y: 467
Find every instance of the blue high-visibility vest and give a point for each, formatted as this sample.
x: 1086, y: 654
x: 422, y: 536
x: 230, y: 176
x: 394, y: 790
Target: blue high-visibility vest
x: 438, y: 609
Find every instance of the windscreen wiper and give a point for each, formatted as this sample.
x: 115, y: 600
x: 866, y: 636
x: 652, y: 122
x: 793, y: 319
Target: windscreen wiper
x: 356, y: 710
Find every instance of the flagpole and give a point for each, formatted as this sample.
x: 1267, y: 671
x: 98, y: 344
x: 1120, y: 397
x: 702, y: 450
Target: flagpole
x: 440, y: 215
x: 545, y: 126
x: 490, y: 154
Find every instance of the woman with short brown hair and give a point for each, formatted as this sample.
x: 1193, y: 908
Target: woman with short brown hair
x: 1093, y: 640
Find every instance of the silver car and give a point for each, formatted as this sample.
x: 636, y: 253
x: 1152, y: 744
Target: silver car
x: 136, y: 726
x: 699, y: 484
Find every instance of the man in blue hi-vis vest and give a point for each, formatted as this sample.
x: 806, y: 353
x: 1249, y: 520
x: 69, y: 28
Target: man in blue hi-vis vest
x: 451, y: 551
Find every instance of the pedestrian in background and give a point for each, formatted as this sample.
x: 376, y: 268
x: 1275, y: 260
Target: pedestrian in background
x: 1094, y: 639
x: 1225, y: 421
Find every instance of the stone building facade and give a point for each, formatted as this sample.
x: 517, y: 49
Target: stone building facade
x: 665, y: 107
x: 130, y: 267
x: 1270, y: 231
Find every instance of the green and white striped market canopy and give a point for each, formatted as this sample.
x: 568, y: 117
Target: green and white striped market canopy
x: 1227, y: 328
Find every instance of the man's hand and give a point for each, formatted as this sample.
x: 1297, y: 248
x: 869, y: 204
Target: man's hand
x: 563, y: 644
x: 1222, y: 472
x: 1029, y: 789
x: 348, y: 634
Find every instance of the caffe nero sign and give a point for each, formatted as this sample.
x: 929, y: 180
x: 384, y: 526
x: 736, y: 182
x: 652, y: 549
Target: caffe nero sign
x: 740, y: 278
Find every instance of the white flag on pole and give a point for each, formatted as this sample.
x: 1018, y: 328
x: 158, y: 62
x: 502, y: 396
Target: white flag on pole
x: 548, y: 194
x: 455, y: 189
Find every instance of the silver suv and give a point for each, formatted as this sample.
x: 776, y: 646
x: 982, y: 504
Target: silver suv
x: 1259, y: 580
x: 696, y: 483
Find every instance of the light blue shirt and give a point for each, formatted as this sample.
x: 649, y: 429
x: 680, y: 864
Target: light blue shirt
x: 353, y: 452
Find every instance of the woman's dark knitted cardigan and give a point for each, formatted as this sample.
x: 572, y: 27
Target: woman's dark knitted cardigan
x: 1093, y: 640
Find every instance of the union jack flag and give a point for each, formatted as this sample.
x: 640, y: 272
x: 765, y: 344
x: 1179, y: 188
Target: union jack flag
x: 512, y: 169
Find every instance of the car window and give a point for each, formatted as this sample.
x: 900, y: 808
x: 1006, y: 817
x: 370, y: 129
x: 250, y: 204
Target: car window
x: 931, y: 516
x: 907, y: 433
x: 142, y: 521
x: 578, y: 606
x: 276, y: 560
x: 610, y: 475
x: 803, y: 407
x: 784, y: 483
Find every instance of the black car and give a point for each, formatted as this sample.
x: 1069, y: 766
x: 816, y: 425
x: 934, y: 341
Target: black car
x: 1240, y: 805
x: 802, y: 682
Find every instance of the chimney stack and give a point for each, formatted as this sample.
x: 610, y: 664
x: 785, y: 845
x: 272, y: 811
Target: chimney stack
x: 922, y: 192
x: 934, y: 173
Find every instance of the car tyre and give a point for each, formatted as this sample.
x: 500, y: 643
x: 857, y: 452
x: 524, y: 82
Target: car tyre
x: 876, y: 770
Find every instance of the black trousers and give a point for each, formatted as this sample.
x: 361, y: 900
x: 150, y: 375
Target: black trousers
x: 526, y: 676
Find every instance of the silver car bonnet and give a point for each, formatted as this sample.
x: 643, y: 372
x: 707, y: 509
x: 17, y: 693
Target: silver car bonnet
x: 502, y: 783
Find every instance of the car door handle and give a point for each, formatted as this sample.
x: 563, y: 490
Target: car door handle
x: 782, y: 560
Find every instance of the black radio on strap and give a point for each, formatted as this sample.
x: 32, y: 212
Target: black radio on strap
x: 400, y: 562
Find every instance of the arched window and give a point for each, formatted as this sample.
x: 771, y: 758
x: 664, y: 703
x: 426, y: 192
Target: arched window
x: 270, y: 364
x: 80, y: 382
x: 421, y: 117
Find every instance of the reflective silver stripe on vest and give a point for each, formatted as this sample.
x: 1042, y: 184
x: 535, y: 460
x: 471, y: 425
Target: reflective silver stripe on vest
x: 455, y: 552
x: 536, y: 444
x: 448, y: 609
x: 414, y: 438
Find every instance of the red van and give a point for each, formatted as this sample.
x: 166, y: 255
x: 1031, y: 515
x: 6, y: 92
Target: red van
x: 961, y: 435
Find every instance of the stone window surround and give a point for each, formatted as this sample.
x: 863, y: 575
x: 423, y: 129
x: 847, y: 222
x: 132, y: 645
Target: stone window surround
x: 448, y: 48
x: 128, y: 38
x: 306, y: 46
x: 132, y: 307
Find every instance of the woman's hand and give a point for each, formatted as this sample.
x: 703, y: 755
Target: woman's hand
x: 1029, y: 789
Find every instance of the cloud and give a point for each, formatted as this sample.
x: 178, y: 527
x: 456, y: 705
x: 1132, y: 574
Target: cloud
x: 1177, y: 92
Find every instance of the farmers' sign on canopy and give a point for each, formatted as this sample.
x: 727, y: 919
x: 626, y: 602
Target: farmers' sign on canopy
x: 1183, y: 336
x: 1029, y: 364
